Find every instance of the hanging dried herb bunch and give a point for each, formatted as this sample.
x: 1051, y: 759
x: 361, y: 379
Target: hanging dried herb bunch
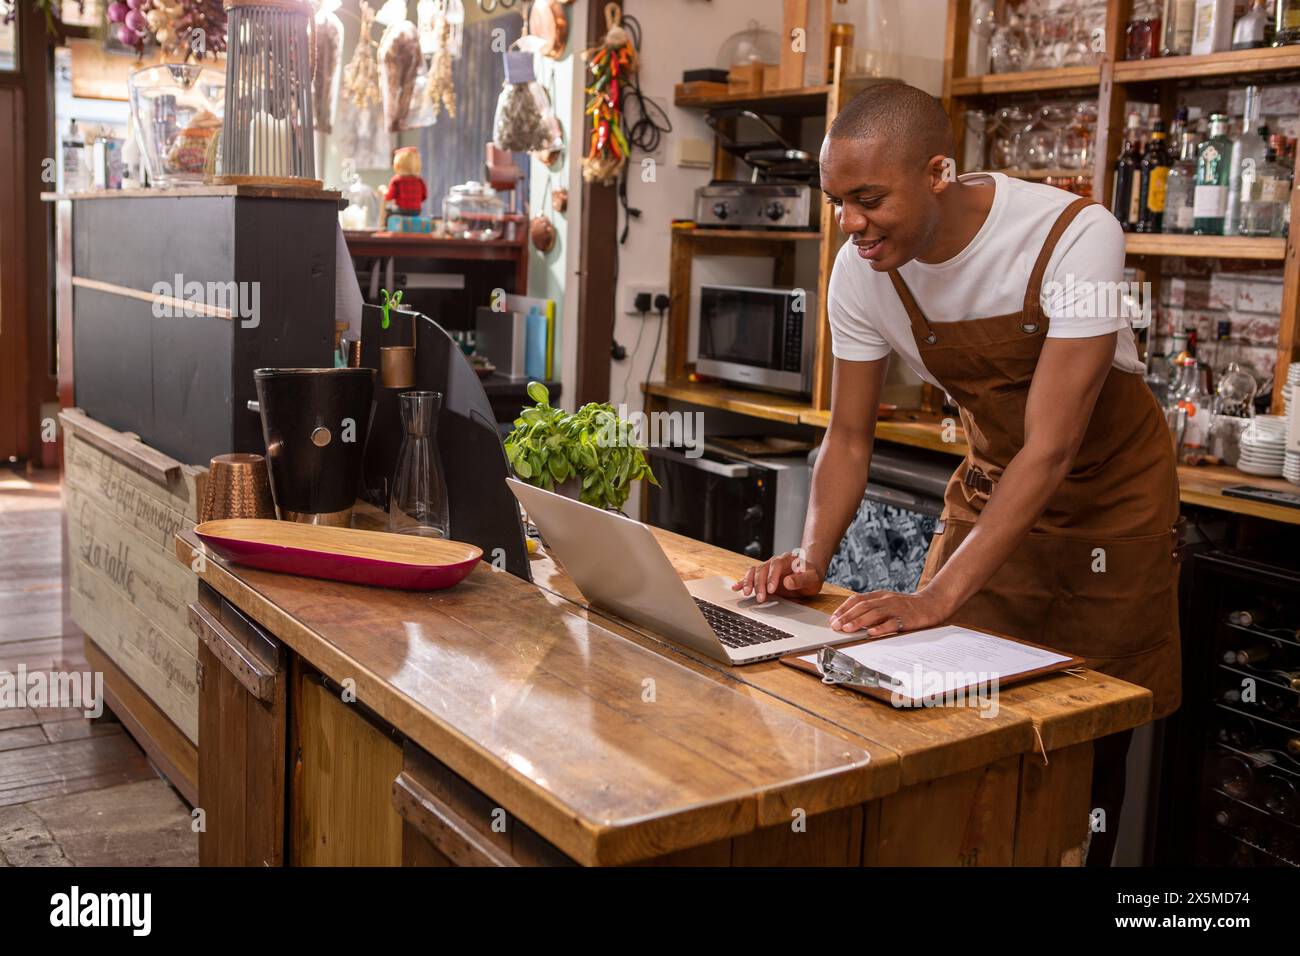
x: 442, y: 88
x: 400, y: 61
x: 361, y: 75
x: 325, y: 82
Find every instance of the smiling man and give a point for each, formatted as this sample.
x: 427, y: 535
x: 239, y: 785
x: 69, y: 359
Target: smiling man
x: 1060, y: 527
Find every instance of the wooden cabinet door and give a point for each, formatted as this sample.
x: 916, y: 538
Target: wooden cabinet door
x: 340, y: 794
x: 449, y: 822
x: 242, y: 730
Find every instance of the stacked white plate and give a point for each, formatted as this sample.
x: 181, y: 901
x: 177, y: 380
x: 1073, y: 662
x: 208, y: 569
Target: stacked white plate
x: 1291, y: 464
x: 1263, y: 446
x: 1291, y: 467
x: 1292, y: 380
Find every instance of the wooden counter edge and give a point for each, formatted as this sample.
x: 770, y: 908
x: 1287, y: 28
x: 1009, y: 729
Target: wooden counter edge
x: 591, y: 842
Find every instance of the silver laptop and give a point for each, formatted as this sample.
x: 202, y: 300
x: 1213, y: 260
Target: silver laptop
x: 619, y: 566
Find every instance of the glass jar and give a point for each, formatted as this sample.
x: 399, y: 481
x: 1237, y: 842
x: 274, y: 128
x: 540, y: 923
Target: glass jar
x: 750, y: 45
x: 1040, y: 137
x: 1143, y: 35
x: 418, y: 501
x: 978, y: 125
x: 1074, y: 144
x: 1004, y: 151
x: 362, y: 212
x: 177, y: 108
x: 473, y: 211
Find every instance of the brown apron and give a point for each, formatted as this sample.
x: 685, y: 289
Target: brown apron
x: 1098, y: 574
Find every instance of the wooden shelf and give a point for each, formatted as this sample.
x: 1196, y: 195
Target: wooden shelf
x: 1203, y: 247
x: 766, y: 405
x: 1028, y: 81
x: 917, y: 429
x: 1202, y: 486
x: 1230, y: 64
x: 806, y: 101
x: 772, y: 235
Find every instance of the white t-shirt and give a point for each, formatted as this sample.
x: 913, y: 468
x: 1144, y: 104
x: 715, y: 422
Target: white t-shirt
x: 1081, y: 288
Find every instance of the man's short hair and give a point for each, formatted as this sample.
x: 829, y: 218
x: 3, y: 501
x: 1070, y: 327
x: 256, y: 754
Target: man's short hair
x: 895, y: 112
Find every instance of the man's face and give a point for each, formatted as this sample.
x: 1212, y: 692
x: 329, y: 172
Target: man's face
x: 885, y: 201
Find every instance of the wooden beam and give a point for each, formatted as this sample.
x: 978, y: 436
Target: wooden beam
x: 597, y: 262
x: 37, y: 66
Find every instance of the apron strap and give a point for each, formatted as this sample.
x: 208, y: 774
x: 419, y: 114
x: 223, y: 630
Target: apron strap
x: 1033, y: 312
x: 920, y: 324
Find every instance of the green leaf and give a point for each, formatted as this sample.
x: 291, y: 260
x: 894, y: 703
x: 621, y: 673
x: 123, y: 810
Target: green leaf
x: 523, y: 469
x: 539, y: 393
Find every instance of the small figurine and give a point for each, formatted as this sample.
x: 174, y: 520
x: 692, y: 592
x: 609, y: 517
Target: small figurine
x: 406, y: 191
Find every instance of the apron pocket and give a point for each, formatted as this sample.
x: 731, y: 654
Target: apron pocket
x: 1116, y: 597
x: 1091, y: 596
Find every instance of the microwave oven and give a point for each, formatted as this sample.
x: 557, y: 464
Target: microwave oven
x: 755, y: 336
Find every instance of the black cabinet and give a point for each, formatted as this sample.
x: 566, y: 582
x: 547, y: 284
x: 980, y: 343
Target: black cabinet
x: 182, y: 381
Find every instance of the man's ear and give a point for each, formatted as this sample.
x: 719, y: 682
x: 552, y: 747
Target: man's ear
x: 941, y: 171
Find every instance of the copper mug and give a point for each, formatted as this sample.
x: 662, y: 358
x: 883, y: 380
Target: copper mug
x: 238, y: 486
x: 397, y: 362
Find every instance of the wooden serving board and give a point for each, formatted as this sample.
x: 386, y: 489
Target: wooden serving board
x: 377, y: 558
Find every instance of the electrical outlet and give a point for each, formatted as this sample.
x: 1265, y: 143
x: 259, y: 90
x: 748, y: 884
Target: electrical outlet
x: 630, y: 292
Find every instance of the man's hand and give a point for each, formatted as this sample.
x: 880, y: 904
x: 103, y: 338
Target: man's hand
x: 786, y: 575
x: 882, y: 613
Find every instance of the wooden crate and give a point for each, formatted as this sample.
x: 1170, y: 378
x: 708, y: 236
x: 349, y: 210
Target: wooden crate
x: 128, y: 592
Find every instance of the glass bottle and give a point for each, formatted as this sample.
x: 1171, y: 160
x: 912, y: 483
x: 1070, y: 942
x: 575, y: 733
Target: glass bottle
x: 1280, y: 795
x: 1177, y: 128
x: 1154, y: 180
x: 1210, y: 199
x: 1286, y: 23
x: 1143, y: 33
x: 1194, y: 402
x: 1248, y: 151
x: 1212, y: 29
x: 1180, y: 188
x: 418, y: 502
x: 1249, y: 32
x: 1264, y: 190
x: 1179, y: 15
x: 1128, y: 193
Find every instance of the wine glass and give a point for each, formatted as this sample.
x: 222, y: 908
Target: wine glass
x: 1009, y: 50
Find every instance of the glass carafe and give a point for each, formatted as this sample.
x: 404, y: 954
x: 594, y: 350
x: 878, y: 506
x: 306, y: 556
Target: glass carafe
x: 418, y: 502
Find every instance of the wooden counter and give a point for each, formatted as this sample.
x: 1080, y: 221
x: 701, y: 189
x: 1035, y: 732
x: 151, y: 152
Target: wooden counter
x: 612, y: 746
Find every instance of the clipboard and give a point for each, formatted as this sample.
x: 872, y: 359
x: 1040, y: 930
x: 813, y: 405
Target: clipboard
x: 888, y: 695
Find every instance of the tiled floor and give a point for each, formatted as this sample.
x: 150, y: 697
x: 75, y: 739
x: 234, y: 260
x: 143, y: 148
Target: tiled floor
x: 72, y: 791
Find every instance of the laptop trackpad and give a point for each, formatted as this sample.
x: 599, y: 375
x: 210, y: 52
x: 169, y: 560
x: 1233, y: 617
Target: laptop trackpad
x: 777, y: 612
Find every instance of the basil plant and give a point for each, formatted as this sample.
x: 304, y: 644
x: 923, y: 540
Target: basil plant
x: 592, y: 446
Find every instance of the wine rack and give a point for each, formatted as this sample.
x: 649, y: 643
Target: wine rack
x: 1235, y: 747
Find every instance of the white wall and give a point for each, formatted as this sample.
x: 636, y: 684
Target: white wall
x: 685, y: 34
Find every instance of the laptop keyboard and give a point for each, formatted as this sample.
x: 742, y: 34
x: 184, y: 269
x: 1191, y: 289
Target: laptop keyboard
x: 736, y: 630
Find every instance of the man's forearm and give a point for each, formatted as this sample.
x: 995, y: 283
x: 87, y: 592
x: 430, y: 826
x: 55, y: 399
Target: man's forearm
x: 1022, y: 493
x: 838, y: 482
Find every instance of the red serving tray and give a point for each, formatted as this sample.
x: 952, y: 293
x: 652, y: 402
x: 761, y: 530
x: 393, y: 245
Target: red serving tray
x: 375, y: 558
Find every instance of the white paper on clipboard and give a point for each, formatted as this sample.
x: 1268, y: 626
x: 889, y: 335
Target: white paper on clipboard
x: 947, y: 660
